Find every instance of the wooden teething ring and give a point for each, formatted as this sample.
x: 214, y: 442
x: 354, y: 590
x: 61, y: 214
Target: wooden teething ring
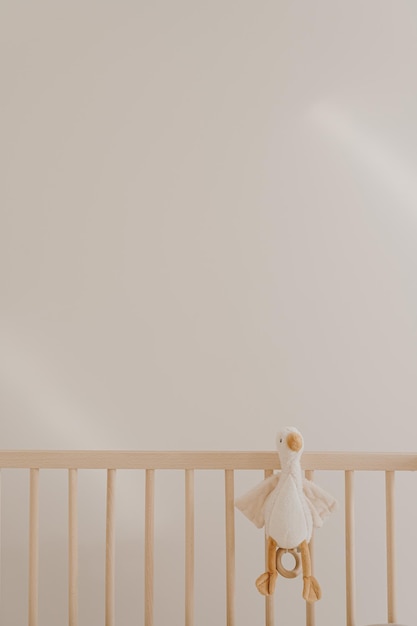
x: 288, y: 573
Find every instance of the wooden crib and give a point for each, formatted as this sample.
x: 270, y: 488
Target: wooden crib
x: 190, y: 463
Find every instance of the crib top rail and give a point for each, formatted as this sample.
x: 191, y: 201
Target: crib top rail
x: 222, y: 460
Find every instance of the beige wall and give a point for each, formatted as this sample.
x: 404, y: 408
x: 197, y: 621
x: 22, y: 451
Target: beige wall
x: 208, y: 227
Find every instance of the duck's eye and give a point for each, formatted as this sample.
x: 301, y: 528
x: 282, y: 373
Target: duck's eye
x: 280, y: 440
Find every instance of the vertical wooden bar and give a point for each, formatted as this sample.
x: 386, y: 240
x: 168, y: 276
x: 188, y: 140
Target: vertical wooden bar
x: 110, y: 546
x: 72, y: 548
x: 391, y: 560
x: 189, y: 547
x: 230, y: 547
x: 33, y: 546
x: 0, y: 538
x: 269, y: 600
x: 350, y: 548
x: 310, y: 607
x: 149, y: 545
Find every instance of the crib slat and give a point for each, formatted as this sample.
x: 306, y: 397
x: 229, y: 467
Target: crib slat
x: 230, y: 547
x: 310, y: 607
x: 0, y: 533
x: 189, y: 547
x: 149, y: 545
x: 269, y: 600
x: 350, y: 548
x: 33, y: 546
x: 391, y: 560
x: 72, y: 548
x: 110, y: 546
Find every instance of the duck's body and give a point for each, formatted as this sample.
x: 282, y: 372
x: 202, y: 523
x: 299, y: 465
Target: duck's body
x: 288, y: 531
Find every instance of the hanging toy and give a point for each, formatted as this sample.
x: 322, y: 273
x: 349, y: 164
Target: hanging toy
x: 289, y: 506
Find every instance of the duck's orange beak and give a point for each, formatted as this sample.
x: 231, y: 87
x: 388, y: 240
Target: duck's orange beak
x: 294, y: 442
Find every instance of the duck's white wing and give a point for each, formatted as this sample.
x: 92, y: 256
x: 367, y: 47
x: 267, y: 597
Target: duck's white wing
x: 320, y: 502
x: 252, y: 503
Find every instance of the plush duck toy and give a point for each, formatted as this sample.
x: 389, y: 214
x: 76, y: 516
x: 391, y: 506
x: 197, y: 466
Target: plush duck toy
x: 289, y: 506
